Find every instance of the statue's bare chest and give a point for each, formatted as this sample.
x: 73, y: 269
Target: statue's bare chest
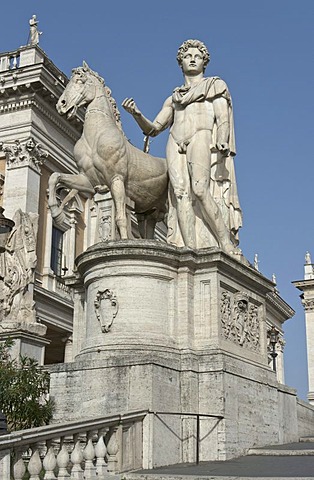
x: 194, y: 117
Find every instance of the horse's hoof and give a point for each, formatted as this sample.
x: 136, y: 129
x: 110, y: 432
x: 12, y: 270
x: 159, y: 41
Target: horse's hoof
x: 102, y: 189
x: 58, y: 215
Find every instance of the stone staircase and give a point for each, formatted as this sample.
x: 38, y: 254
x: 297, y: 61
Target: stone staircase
x: 277, y: 462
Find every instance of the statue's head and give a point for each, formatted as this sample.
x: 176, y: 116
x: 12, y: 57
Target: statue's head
x: 193, y: 44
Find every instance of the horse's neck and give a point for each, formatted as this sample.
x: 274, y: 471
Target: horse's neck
x: 98, y: 112
x: 100, y: 103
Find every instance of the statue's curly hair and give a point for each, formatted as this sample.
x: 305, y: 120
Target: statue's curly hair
x: 193, y: 44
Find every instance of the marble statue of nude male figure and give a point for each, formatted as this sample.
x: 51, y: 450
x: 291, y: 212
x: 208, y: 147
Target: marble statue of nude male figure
x: 199, y: 115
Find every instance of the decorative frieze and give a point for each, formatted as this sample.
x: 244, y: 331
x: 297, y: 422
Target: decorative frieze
x: 240, y: 320
x: 21, y: 154
x: 106, y: 308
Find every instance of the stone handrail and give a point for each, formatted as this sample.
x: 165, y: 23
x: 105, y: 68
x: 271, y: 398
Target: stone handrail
x: 80, y: 450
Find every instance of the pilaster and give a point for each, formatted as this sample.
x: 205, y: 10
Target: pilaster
x: 307, y: 288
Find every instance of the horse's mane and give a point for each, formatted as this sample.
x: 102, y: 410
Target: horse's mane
x: 112, y: 102
x: 114, y: 107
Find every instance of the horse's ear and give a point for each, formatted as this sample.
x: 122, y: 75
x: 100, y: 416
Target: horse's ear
x: 85, y: 65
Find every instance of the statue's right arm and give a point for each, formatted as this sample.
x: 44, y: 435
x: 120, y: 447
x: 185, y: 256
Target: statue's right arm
x: 161, y: 122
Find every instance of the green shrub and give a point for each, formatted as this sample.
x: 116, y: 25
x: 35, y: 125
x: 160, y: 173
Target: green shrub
x: 24, y: 387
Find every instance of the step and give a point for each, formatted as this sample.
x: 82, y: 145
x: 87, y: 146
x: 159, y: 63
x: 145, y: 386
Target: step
x: 296, y: 449
x: 307, y: 439
x: 210, y: 477
x: 276, y: 462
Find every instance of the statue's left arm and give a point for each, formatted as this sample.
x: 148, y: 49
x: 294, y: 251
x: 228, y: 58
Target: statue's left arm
x: 221, y: 109
x: 222, y: 104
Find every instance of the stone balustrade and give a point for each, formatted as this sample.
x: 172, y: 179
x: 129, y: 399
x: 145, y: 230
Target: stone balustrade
x: 10, y: 61
x: 89, y: 449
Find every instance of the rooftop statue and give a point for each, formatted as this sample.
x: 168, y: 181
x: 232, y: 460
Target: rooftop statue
x: 106, y: 160
x: 33, y: 31
x: 204, y: 209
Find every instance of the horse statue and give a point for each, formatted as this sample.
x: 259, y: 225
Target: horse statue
x: 106, y: 160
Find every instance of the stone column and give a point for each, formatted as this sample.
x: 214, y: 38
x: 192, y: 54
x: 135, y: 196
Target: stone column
x: 22, y: 175
x: 307, y: 287
x: 280, y: 359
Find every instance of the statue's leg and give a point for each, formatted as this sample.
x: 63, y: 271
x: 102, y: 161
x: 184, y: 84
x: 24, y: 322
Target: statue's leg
x: 199, y: 163
x: 118, y: 194
x: 52, y: 184
x: 180, y: 183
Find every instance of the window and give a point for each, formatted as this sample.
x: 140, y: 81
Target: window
x: 56, y: 251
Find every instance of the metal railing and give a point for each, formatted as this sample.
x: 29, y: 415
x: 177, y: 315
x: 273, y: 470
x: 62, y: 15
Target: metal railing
x: 198, y: 430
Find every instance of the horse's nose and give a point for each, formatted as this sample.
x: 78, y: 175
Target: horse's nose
x: 61, y: 105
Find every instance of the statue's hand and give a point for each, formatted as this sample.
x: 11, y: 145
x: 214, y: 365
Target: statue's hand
x: 223, y: 148
x: 130, y: 106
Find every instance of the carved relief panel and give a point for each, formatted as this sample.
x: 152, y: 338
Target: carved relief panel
x: 106, y: 308
x: 240, y: 320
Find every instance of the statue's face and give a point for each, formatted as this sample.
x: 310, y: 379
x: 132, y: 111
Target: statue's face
x: 193, y: 62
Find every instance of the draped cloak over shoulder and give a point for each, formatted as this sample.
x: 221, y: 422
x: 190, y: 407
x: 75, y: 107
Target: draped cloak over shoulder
x: 207, y: 89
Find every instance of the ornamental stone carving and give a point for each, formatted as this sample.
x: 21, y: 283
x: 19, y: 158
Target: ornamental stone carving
x: 240, y: 320
x: 106, y: 308
x: 204, y: 208
x: 104, y: 228
x: 27, y: 153
x: 17, y: 267
x: 308, y: 304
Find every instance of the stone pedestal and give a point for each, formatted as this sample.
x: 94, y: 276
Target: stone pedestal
x: 28, y: 340
x: 172, y: 330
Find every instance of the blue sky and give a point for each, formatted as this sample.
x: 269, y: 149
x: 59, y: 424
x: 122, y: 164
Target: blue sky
x: 264, y: 51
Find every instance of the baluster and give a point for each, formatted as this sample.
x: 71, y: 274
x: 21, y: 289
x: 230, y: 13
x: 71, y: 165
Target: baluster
x: 19, y: 467
x: 76, y: 459
x: 63, y: 459
x: 89, y: 455
x: 112, y: 450
x: 50, y: 462
x: 34, y: 465
x: 100, y: 451
x: 14, y: 62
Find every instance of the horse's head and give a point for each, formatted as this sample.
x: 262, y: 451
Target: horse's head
x: 81, y: 90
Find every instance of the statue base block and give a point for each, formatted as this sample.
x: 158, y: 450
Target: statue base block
x: 177, y: 332
x: 28, y: 338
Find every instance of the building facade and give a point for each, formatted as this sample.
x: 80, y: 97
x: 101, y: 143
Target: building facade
x: 36, y: 141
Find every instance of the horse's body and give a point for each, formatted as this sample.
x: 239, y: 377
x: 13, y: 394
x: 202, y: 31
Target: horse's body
x: 106, y: 160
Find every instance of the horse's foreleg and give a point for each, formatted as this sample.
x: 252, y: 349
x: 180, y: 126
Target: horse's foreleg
x: 118, y: 194
x: 52, y: 188
x: 77, y: 183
